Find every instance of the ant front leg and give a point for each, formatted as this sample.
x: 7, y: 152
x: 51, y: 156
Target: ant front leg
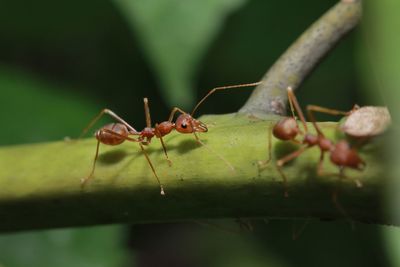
x: 162, y: 192
x: 163, y: 146
x: 113, y: 115
x: 127, y: 138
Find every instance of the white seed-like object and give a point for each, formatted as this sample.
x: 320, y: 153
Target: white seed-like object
x: 368, y: 121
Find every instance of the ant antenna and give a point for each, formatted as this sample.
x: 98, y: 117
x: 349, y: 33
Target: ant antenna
x: 223, y: 88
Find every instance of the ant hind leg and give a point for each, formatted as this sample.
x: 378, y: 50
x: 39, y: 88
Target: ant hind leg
x: 85, y: 180
x: 113, y: 115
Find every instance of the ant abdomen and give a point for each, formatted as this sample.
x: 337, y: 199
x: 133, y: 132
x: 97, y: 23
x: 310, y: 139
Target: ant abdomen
x: 112, y: 134
x: 286, y: 129
x: 344, y: 156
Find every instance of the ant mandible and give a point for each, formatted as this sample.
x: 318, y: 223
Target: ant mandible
x: 286, y: 129
x: 116, y: 133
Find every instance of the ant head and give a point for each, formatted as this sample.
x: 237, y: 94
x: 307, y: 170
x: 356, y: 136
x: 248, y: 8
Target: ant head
x: 286, y: 129
x: 187, y: 124
x: 343, y: 155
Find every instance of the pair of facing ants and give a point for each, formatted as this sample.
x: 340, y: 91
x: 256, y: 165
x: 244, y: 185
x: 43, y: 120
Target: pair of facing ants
x: 341, y: 153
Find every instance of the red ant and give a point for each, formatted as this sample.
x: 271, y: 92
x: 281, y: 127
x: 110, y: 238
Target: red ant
x: 341, y: 153
x: 116, y: 133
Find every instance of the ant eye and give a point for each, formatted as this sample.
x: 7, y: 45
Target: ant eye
x: 184, y: 125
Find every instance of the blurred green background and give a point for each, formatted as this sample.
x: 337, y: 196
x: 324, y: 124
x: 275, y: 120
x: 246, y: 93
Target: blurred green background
x: 61, y: 62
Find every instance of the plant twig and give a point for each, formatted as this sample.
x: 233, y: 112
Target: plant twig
x: 40, y: 183
x: 301, y: 58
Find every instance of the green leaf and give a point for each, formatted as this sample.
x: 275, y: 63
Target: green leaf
x: 175, y: 34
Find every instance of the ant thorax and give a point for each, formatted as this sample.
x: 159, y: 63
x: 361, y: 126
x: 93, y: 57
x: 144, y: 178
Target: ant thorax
x: 147, y: 133
x: 164, y: 128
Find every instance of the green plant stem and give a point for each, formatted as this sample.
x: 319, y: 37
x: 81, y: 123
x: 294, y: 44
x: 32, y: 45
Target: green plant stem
x: 301, y: 58
x: 40, y: 183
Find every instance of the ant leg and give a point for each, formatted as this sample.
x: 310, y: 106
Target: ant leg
x: 127, y: 138
x: 293, y: 102
x: 262, y: 164
x: 148, y: 124
x: 336, y: 202
x: 85, y: 180
x: 285, y: 160
x: 312, y: 108
x: 214, y: 152
x: 162, y: 143
x: 222, y: 88
x: 147, y: 112
x: 145, y: 154
x: 113, y: 115
x: 341, y: 175
x: 165, y: 150
x: 152, y: 168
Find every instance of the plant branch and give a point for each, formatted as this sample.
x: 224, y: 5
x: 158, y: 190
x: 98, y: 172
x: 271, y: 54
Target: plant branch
x: 301, y: 58
x: 40, y: 183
